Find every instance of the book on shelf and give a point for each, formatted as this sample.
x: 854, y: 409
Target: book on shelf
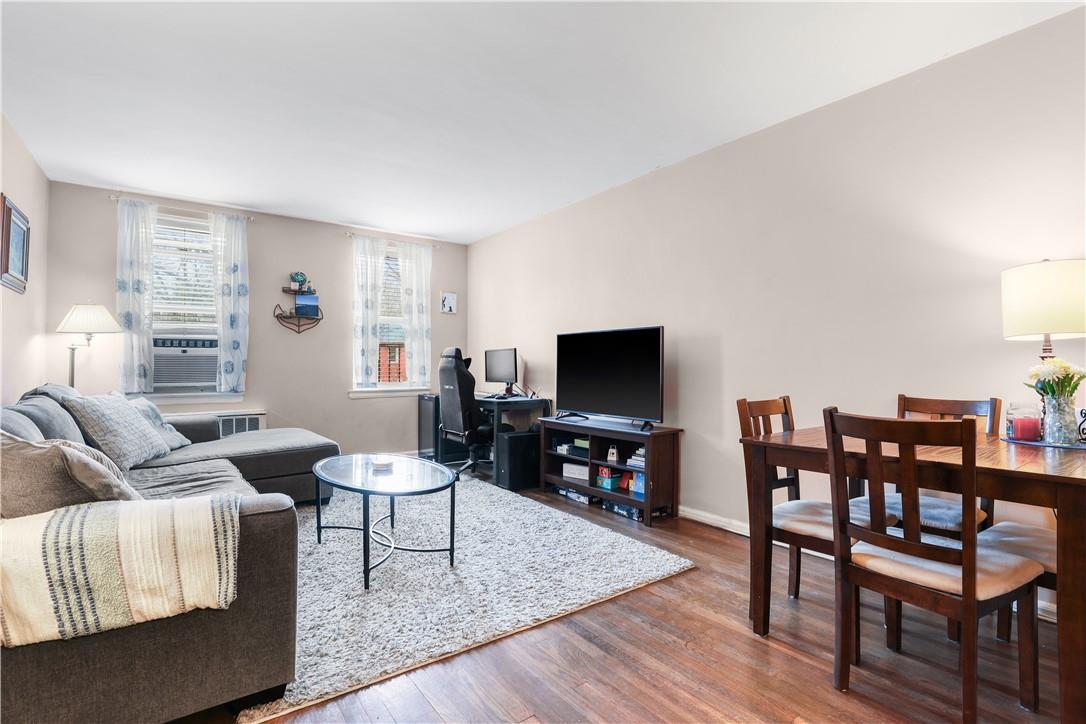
x: 581, y: 442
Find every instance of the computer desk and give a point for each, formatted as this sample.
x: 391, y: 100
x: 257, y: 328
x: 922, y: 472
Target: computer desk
x: 510, y: 404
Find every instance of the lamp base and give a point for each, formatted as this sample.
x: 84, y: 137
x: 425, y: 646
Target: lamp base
x: 1046, y: 348
x: 71, y: 359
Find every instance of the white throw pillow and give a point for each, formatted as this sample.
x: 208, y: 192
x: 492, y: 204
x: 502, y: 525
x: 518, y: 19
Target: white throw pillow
x: 113, y: 425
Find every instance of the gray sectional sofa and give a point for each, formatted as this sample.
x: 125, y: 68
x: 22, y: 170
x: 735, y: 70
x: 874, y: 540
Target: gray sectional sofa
x: 168, y: 668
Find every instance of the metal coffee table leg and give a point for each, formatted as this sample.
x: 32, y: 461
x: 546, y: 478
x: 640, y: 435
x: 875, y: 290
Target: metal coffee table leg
x: 317, y: 501
x: 366, y: 540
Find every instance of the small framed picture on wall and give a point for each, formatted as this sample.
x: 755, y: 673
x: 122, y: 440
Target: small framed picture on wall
x: 15, y: 264
x: 448, y: 302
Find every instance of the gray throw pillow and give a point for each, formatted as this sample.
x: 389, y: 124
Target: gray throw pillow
x: 19, y: 425
x: 54, y: 421
x: 111, y: 424
x: 41, y: 476
x: 56, y: 392
x: 153, y: 415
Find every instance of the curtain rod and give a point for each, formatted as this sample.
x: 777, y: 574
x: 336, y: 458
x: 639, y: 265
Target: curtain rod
x: 349, y: 234
x: 423, y: 242
x: 117, y: 197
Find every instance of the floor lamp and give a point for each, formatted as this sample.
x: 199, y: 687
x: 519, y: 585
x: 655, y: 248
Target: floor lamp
x: 89, y: 320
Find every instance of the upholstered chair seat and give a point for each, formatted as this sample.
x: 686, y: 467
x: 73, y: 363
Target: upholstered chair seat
x: 815, y: 517
x: 998, y: 571
x: 1028, y: 541
x: 935, y: 513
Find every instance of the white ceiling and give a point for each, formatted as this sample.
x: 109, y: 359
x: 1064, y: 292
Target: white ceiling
x: 448, y: 120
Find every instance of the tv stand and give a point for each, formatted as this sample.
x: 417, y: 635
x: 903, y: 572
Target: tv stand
x: 661, y: 468
x: 571, y: 416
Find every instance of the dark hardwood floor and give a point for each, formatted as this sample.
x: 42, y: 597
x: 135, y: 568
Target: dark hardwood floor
x: 682, y: 650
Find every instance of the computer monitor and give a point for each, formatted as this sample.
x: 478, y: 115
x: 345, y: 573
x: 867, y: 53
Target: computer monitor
x: 501, y: 366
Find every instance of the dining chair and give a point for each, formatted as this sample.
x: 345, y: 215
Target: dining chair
x: 1029, y: 541
x: 961, y: 579
x: 939, y: 515
x: 801, y: 524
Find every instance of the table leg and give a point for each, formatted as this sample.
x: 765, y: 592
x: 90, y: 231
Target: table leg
x: 452, y: 523
x: 761, y: 542
x: 317, y: 501
x: 392, y: 511
x: 1071, y: 601
x: 366, y: 540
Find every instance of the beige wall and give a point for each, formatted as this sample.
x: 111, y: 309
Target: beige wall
x: 301, y: 380
x: 23, y: 338
x: 841, y: 257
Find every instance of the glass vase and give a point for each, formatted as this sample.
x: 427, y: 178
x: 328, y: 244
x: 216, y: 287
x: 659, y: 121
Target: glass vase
x: 1059, y: 426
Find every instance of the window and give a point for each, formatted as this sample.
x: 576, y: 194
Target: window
x: 392, y: 314
x: 183, y: 266
x: 392, y: 362
x: 184, y: 317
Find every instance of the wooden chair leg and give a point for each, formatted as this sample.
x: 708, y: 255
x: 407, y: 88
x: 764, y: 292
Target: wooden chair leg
x: 892, y: 611
x: 1003, y: 624
x: 1029, y: 694
x: 855, y: 625
x: 795, y: 554
x: 842, y: 649
x: 968, y: 665
x: 953, y: 630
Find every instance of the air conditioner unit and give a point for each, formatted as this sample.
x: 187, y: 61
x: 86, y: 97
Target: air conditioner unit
x: 186, y: 364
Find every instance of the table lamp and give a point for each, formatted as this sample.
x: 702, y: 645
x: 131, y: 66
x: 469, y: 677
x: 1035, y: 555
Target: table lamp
x: 87, y: 319
x: 1045, y: 301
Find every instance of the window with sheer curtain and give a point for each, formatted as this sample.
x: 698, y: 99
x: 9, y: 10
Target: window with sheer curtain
x: 391, y: 314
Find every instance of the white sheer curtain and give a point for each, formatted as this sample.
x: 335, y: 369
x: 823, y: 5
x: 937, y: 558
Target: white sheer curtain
x: 228, y: 237
x: 135, y: 241
x: 415, y: 263
x: 369, y: 267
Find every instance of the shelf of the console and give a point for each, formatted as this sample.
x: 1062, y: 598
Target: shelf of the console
x: 582, y: 486
x: 619, y: 466
x: 567, y: 456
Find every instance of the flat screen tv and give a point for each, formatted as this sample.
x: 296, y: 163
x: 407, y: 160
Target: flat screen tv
x: 618, y: 372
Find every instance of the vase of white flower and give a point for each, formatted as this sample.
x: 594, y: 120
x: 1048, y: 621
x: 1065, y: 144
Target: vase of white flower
x: 1057, y: 381
x: 1058, y: 426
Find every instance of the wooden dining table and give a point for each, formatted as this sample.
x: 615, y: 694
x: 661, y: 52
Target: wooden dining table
x: 1029, y: 474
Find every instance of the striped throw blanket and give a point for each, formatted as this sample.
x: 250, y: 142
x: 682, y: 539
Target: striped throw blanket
x: 89, y: 568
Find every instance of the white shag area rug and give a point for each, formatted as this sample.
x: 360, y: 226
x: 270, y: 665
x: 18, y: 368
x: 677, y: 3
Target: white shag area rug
x: 518, y: 562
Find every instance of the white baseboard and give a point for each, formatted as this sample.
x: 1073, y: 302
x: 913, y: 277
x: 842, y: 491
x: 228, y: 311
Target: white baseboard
x: 1046, y: 610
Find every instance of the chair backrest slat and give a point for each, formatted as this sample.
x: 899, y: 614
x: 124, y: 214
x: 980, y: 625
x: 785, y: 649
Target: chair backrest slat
x: 907, y: 435
x: 876, y: 493
x: 941, y: 554
x: 910, y: 492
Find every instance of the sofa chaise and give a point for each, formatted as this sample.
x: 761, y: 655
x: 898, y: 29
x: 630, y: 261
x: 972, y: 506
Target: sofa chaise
x: 171, y: 667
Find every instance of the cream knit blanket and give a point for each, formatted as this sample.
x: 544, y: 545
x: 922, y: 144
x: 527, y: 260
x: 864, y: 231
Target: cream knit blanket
x: 89, y: 568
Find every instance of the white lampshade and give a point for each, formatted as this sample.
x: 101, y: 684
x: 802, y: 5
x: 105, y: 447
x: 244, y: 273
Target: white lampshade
x: 1045, y: 298
x: 88, y: 319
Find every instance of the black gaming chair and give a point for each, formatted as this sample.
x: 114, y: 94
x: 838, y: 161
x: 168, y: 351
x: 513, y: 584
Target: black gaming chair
x: 461, y: 418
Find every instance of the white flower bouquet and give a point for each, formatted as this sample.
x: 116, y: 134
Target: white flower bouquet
x: 1056, y: 377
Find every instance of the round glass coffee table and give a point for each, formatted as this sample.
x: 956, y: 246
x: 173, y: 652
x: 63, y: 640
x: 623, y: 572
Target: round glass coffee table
x: 387, y: 475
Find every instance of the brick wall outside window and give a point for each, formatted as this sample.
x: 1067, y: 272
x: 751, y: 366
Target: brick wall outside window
x: 392, y: 363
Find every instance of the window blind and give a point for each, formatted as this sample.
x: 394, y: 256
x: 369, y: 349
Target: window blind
x: 390, y: 328
x: 183, y: 267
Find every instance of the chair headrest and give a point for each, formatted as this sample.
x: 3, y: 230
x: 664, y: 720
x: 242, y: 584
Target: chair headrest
x: 454, y: 353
